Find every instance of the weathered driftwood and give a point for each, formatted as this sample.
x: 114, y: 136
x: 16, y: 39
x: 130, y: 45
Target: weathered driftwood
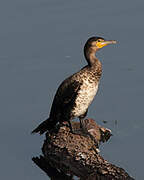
x: 66, y: 154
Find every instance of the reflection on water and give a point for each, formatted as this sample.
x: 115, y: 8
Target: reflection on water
x: 36, y: 38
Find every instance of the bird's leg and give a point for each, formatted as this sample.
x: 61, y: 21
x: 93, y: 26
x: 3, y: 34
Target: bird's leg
x: 70, y: 126
x: 82, y: 123
x: 81, y: 118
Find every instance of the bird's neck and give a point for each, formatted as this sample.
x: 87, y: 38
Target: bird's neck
x: 91, y: 58
x: 93, y: 63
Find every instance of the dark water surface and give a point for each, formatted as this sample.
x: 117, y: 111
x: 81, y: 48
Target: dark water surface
x: 41, y: 43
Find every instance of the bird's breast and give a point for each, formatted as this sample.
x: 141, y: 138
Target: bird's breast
x: 84, y: 98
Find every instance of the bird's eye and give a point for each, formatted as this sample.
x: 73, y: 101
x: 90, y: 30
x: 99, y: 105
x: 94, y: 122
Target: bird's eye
x: 98, y: 40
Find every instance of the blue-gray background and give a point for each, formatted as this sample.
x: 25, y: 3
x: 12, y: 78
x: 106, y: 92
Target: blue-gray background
x: 41, y: 43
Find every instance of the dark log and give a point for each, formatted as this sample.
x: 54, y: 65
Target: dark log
x: 67, y: 154
x: 53, y: 173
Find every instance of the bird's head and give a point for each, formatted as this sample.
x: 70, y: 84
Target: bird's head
x: 96, y: 43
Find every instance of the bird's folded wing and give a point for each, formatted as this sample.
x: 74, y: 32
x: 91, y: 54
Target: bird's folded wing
x: 65, y: 95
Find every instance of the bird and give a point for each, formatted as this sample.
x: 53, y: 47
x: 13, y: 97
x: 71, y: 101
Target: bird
x: 75, y: 94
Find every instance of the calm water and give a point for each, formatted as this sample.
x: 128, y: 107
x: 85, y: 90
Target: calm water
x: 41, y: 43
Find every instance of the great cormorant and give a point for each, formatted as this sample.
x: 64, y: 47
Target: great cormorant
x: 76, y: 93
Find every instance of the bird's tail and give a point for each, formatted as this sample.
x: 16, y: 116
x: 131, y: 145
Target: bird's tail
x: 46, y: 125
